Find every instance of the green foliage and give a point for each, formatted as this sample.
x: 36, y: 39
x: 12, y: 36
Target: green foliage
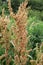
x: 36, y: 4
x: 15, y: 4
x: 36, y: 14
x: 36, y: 33
x: 1, y: 50
x: 3, y: 5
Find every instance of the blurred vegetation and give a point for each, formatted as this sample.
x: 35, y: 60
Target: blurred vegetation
x: 35, y: 22
x: 36, y: 4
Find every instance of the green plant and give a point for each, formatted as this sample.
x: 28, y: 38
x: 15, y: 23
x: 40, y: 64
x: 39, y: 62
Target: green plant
x: 39, y: 55
x: 36, y: 33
